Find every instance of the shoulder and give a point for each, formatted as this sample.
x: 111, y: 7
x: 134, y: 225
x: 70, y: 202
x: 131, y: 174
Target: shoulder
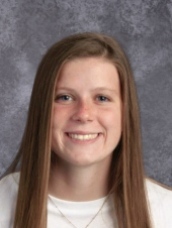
x: 159, y: 193
x: 9, y: 185
x: 160, y: 203
x: 12, y: 178
x: 8, y: 197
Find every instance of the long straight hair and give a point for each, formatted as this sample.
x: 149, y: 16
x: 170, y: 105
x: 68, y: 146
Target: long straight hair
x: 126, y: 179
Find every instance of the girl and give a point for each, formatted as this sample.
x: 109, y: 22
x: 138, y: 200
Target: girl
x: 80, y: 157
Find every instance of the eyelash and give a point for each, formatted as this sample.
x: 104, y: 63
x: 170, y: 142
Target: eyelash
x: 63, y: 97
x: 105, y: 99
x: 68, y: 98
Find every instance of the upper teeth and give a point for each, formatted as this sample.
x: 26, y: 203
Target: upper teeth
x: 83, y: 137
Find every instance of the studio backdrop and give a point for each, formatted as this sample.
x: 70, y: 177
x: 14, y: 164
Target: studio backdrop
x: 144, y: 29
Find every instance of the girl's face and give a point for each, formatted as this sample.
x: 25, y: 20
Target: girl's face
x: 86, y: 123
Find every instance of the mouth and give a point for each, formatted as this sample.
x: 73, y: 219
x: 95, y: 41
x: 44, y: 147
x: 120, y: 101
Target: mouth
x: 83, y: 137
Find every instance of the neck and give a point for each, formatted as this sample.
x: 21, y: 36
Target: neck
x: 79, y: 183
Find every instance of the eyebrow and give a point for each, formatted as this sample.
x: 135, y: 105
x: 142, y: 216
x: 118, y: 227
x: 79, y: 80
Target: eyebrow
x: 104, y: 88
x: 97, y: 88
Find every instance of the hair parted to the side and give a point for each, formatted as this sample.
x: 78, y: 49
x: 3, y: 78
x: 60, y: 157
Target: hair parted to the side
x: 126, y: 178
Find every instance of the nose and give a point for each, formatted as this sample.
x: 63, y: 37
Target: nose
x: 84, y: 112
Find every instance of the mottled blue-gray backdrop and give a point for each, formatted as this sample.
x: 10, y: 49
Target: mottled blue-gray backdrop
x: 144, y: 28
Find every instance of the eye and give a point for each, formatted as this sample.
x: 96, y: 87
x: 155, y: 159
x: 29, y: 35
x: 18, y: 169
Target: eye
x: 63, y: 98
x: 102, y: 98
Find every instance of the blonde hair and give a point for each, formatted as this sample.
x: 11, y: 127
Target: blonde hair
x: 126, y: 179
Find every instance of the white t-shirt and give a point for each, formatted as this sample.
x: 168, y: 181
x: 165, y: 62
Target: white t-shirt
x: 82, y: 213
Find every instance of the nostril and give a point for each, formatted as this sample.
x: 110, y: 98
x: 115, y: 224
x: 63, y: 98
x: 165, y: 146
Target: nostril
x: 83, y: 114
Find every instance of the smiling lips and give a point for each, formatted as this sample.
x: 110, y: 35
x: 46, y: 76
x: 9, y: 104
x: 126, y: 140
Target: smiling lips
x: 82, y: 137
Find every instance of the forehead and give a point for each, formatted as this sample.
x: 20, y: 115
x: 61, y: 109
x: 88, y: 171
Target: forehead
x: 92, y: 69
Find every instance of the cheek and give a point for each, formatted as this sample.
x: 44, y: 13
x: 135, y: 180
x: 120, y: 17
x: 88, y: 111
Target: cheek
x: 62, y: 110
x: 56, y: 125
x: 114, y: 130
x: 112, y: 120
x: 58, y: 117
